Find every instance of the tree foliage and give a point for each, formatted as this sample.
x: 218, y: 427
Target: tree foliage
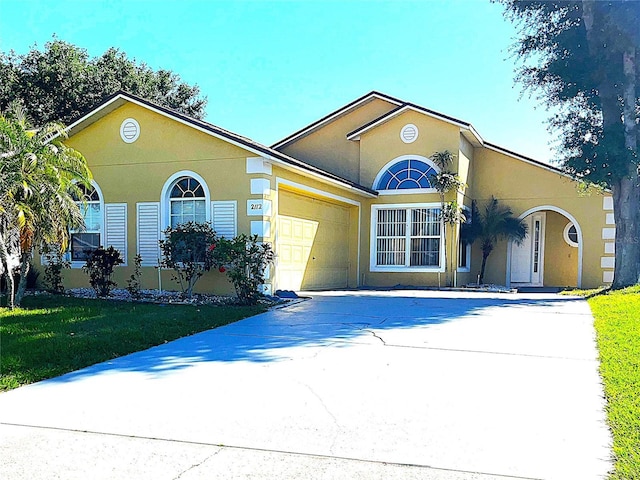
x: 39, y: 177
x: 495, y: 223
x: 61, y: 82
x: 582, y: 57
x: 446, y: 181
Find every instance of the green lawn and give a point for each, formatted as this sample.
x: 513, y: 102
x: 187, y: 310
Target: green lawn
x: 52, y: 335
x: 617, y: 325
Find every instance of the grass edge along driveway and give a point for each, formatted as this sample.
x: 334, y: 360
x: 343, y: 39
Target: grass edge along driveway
x: 617, y: 324
x: 53, y: 335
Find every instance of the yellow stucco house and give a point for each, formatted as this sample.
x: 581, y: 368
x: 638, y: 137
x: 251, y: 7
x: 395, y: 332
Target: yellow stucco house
x: 346, y: 201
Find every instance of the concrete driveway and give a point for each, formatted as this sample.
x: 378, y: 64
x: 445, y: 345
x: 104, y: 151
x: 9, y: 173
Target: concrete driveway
x: 367, y: 384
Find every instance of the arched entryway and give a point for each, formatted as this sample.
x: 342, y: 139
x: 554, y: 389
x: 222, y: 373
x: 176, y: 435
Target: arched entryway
x: 551, y: 254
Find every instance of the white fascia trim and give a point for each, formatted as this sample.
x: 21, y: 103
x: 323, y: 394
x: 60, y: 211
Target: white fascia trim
x: 259, y: 153
x: 318, y: 176
x: 316, y: 191
x: 372, y: 241
x: 96, y: 110
x: 341, y: 111
x: 471, y: 129
x: 400, y: 111
x: 322, y: 193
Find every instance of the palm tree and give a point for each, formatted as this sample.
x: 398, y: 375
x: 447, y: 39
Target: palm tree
x: 39, y: 177
x: 496, y: 223
x: 444, y: 182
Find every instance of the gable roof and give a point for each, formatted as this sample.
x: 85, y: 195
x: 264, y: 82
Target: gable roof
x: 337, y: 113
x: 466, y: 128
x: 116, y: 100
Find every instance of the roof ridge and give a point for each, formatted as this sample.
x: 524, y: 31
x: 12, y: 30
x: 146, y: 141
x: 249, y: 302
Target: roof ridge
x: 311, y: 126
x: 246, y: 141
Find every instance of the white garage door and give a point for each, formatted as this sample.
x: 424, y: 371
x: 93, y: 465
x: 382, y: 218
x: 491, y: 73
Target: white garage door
x: 312, y: 243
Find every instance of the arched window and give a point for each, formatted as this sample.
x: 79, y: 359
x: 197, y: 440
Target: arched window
x: 406, y: 174
x: 83, y: 242
x: 187, y: 201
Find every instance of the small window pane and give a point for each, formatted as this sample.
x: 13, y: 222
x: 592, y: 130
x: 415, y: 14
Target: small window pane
x: 390, y: 251
x: 82, y: 244
x: 425, y: 252
x: 407, y: 184
x: 463, y: 255
x: 398, y: 167
x: 198, y: 191
x: 403, y: 174
x: 415, y: 174
x: 188, y: 207
x: 176, y: 192
x: 573, y: 234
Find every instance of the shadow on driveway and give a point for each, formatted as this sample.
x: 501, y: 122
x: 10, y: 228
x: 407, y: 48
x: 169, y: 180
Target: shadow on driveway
x: 338, y: 319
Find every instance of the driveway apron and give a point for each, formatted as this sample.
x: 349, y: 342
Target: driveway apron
x: 355, y: 384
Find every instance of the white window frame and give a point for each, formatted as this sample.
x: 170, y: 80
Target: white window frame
x: 165, y: 200
x: 407, y: 191
x: 101, y: 232
x: 373, y: 267
x: 567, y: 239
x: 467, y: 267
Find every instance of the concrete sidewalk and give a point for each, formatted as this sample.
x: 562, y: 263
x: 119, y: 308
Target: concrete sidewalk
x: 400, y: 384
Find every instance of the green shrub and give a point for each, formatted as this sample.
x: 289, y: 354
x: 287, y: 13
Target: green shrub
x: 54, y: 265
x: 99, y: 266
x: 244, y: 260
x: 188, y: 250
x: 134, y: 284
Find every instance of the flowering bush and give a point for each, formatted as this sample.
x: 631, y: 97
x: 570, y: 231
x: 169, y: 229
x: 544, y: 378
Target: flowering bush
x: 244, y: 260
x: 189, y: 249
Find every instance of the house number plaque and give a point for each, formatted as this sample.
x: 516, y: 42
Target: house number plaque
x: 259, y: 207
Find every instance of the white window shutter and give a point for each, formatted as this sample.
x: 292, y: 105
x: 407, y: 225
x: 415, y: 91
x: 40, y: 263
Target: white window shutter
x: 116, y: 228
x: 149, y: 233
x: 224, y: 218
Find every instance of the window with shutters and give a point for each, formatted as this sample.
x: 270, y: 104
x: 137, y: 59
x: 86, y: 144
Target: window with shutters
x: 406, y: 238
x: 184, y: 198
x: 187, y: 202
x: 86, y: 240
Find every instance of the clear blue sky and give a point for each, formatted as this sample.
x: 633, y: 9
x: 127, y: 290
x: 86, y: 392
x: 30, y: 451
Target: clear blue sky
x: 269, y: 68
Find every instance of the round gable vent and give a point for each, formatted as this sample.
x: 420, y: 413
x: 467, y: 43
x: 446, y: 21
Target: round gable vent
x: 130, y: 130
x: 409, y: 133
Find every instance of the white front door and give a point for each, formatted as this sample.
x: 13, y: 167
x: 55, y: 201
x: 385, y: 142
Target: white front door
x: 527, y: 259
